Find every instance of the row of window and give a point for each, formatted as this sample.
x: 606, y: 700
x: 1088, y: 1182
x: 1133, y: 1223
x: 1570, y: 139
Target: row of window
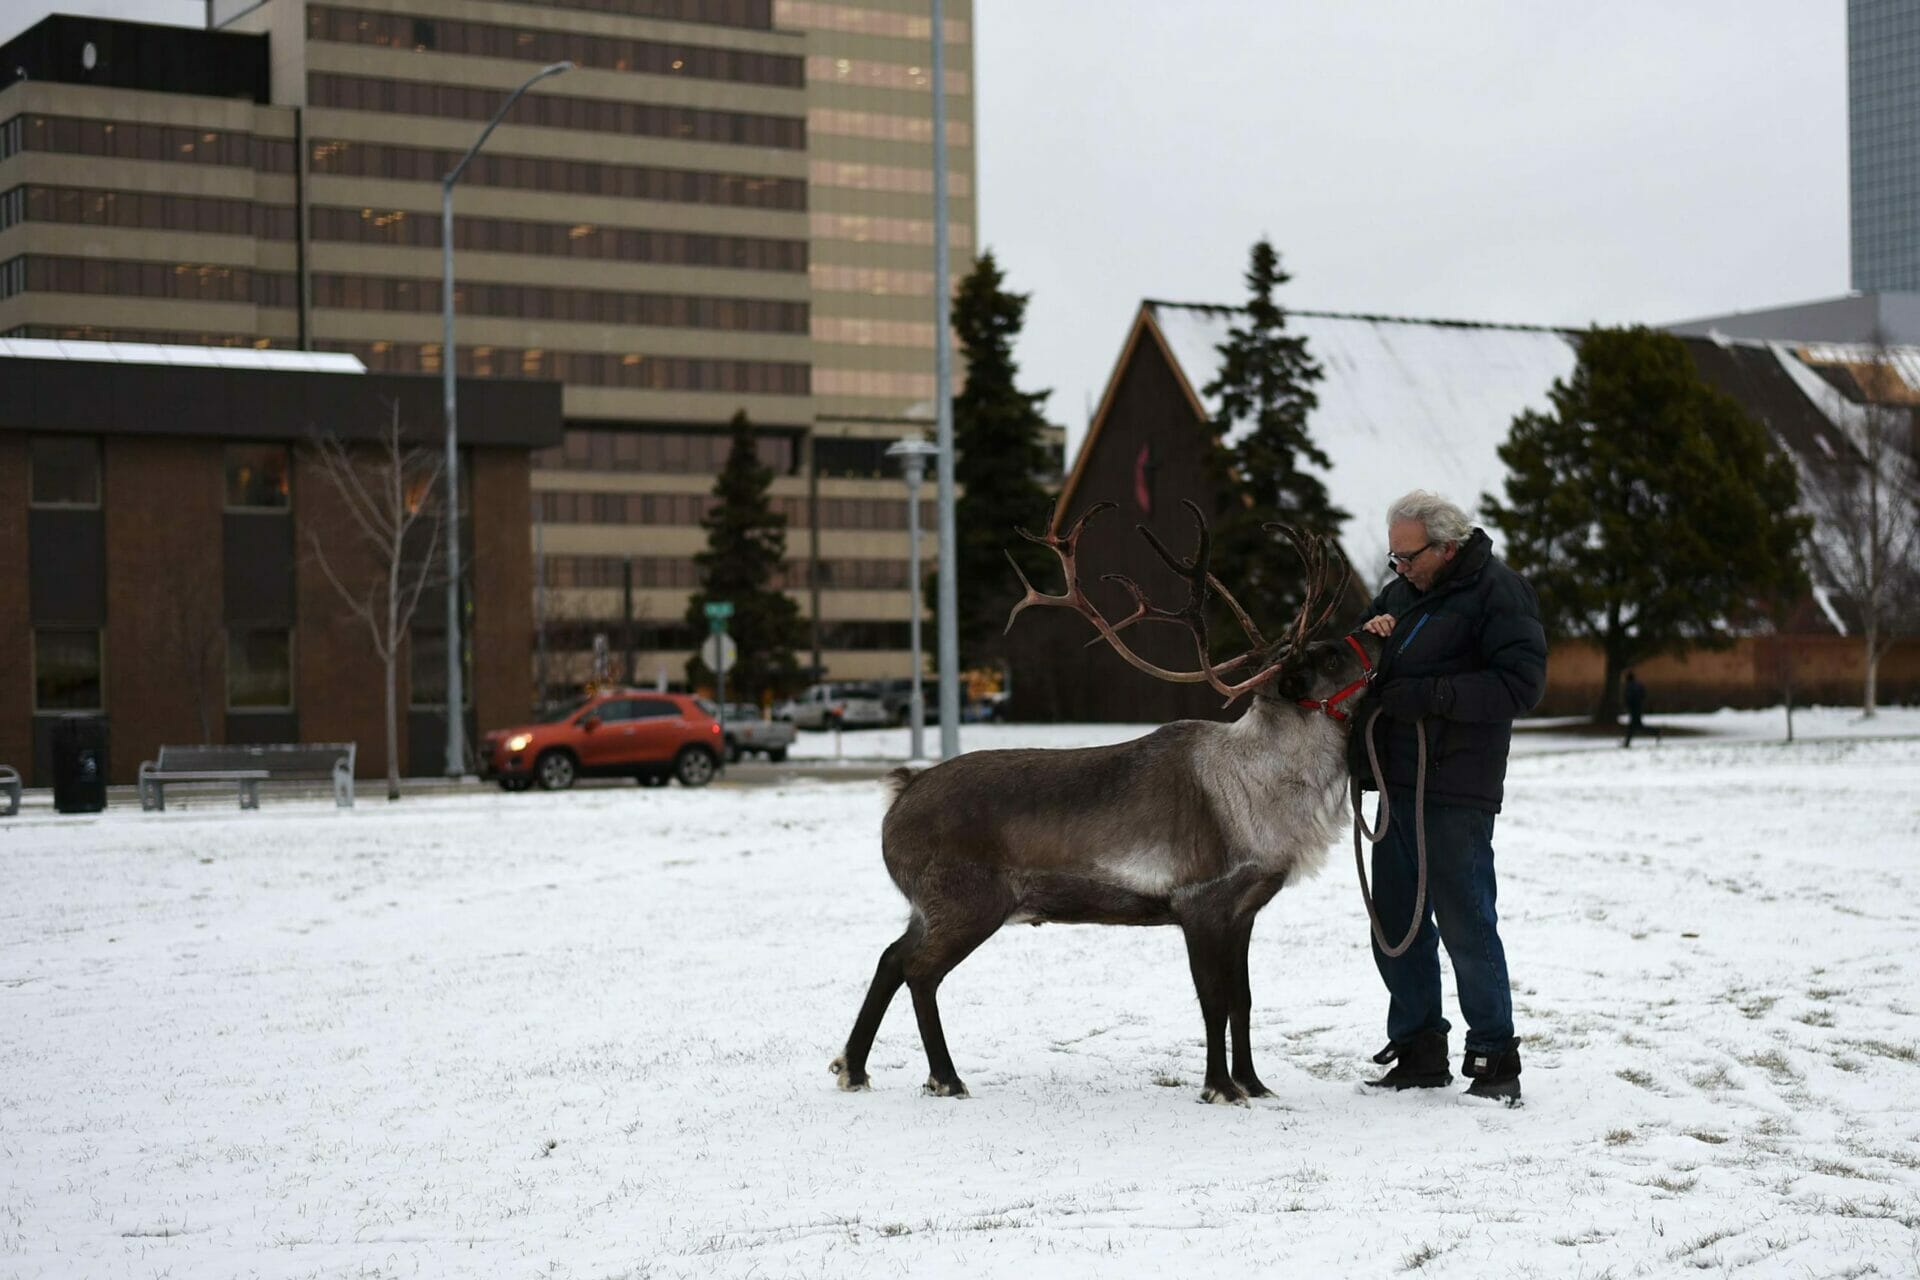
x: 162, y: 337
x: 69, y: 669
x: 68, y: 135
x: 872, y: 333
x: 563, y: 507
x: 680, y: 572
x: 64, y: 471
x: 570, y: 177
x: 670, y: 452
x: 824, y: 68
x: 756, y: 15
x: 148, y: 211
x: 87, y: 206
x: 571, y: 636
x: 874, y: 384
x: 630, y: 371
x: 179, y: 281
x: 557, y: 111
x: 884, y: 177
x: 854, y: 20
x: 560, y: 239
x: 583, y: 306
x: 525, y: 44
x: 884, y: 126
x: 863, y: 229
x: 878, y: 282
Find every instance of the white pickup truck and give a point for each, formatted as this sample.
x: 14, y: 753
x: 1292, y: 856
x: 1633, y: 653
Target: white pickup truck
x: 822, y: 706
x: 750, y: 733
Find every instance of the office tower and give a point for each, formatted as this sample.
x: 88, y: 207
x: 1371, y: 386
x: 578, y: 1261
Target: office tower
x: 1883, y: 130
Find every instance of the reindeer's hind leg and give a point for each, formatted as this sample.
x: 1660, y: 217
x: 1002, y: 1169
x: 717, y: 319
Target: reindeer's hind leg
x: 851, y: 1065
x: 969, y: 913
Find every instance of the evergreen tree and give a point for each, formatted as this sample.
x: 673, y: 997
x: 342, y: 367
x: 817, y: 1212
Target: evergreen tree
x: 1649, y: 512
x: 1265, y: 392
x: 746, y: 542
x: 999, y: 458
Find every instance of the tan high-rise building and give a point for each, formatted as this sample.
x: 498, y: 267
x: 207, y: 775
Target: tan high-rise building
x: 725, y: 206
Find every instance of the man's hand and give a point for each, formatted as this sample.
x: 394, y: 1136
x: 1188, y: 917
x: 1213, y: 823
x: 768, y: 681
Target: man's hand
x: 1409, y: 700
x: 1380, y: 625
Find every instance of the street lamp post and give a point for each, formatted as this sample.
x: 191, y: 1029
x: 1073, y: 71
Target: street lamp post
x: 943, y: 407
x: 913, y: 455
x: 456, y: 696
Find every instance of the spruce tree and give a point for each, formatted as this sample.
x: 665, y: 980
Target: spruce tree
x: 998, y: 462
x: 1264, y: 389
x: 746, y: 542
x: 1649, y: 512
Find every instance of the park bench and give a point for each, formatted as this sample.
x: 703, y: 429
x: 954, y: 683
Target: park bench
x: 248, y: 765
x: 10, y: 788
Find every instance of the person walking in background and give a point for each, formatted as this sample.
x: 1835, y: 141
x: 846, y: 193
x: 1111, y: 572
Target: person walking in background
x: 1636, y: 699
x: 1464, y: 654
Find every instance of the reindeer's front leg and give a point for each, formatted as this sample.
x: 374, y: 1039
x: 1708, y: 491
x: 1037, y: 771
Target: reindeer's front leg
x: 1248, y: 904
x: 1209, y: 956
x: 1217, y: 918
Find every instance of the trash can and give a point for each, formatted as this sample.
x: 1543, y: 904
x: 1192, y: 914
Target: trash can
x: 80, y: 764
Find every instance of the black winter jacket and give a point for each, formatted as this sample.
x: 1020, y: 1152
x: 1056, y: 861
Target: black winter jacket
x: 1476, y: 655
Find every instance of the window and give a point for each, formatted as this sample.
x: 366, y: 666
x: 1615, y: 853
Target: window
x: 66, y: 670
x: 259, y: 670
x: 853, y: 458
x: 655, y: 709
x: 618, y: 711
x: 257, y: 477
x: 66, y: 471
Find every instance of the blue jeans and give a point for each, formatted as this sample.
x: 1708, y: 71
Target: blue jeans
x: 1460, y: 892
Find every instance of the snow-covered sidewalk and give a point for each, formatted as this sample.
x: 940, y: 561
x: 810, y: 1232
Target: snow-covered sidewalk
x: 1535, y: 736
x: 587, y: 1035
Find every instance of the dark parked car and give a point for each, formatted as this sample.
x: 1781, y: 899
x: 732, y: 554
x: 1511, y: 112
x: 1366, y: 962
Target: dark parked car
x: 897, y: 697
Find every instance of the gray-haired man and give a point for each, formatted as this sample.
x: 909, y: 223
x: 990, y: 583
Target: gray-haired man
x: 1464, y: 653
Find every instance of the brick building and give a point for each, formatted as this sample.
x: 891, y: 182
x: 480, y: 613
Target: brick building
x: 158, y: 506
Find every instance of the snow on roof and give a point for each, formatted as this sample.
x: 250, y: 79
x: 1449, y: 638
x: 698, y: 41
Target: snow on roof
x: 1406, y: 404
x: 202, y: 357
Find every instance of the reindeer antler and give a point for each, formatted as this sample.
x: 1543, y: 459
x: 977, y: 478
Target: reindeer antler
x: 1192, y: 615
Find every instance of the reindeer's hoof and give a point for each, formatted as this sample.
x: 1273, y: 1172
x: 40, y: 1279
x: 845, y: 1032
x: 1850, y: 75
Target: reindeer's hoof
x: 1251, y: 1086
x: 1225, y: 1095
x: 849, y: 1082
x: 946, y: 1089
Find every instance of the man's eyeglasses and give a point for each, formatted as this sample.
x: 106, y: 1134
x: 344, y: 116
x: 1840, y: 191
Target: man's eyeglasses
x: 1402, y: 559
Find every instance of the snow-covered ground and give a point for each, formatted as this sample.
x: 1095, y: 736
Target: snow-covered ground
x: 587, y: 1035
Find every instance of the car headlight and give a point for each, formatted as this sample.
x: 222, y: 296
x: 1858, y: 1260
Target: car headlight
x: 519, y: 742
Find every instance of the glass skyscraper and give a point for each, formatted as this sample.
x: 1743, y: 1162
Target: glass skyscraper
x: 1883, y: 128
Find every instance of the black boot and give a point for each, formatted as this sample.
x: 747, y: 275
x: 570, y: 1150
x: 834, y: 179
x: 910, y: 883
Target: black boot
x: 1494, y: 1075
x: 1420, y: 1063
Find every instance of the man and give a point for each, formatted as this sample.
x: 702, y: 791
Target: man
x: 1463, y: 654
x: 1636, y: 694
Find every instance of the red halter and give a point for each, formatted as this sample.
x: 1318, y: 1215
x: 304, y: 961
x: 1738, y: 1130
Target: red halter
x: 1331, y: 705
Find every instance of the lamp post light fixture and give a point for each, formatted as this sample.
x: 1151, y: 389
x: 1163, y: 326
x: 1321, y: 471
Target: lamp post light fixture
x: 456, y: 695
x: 913, y: 455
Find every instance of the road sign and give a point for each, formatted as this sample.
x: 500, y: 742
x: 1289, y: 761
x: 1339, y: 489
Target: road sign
x: 718, y: 651
x: 719, y: 610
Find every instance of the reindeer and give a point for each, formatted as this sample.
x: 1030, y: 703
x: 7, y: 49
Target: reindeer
x: 1197, y: 824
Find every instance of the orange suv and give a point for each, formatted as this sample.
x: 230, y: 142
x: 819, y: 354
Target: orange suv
x: 632, y: 733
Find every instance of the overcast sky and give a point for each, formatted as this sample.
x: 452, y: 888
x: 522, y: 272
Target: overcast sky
x: 1487, y: 160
